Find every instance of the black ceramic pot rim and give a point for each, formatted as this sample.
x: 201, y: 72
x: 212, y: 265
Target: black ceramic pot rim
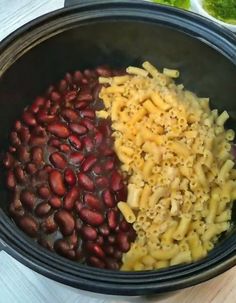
x: 53, y: 266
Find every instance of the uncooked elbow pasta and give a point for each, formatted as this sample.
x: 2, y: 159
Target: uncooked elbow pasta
x: 177, y: 155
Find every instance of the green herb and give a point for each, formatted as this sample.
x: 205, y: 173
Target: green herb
x: 224, y: 10
x: 178, y: 3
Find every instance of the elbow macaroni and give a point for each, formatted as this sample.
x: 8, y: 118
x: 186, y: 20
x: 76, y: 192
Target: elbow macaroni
x: 177, y: 156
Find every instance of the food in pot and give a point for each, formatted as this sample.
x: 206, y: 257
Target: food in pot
x: 65, y: 177
x: 177, y: 155
x: 132, y: 172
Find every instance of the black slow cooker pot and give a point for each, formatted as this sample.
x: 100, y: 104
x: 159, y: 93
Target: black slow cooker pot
x: 118, y: 33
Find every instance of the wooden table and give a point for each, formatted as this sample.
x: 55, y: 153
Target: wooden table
x: 14, y: 13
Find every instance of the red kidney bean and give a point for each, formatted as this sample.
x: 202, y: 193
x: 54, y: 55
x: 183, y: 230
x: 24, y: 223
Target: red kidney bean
x: 20, y: 174
x: 61, y: 246
x: 87, y: 113
x: 103, y: 71
x: 42, y: 175
x: 98, y: 138
x: 70, y: 177
x: 112, y: 218
x: 109, y: 250
x: 123, y: 241
x: 42, y: 209
x: 71, y: 197
x: 85, y: 181
x: 23, y: 154
x: 97, y: 169
x: 24, y: 134
x: 104, y: 230
x: 88, y: 163
x: 48, y: 168
x: 105, y: 129
x: 59, y: 129
x: 88, y: 233
x: 84, y: 80
x: 29, y: 118
x: 55, y: 202
x: 29, y: 225
x: 78, y: 223
x: 87, y: 144
x: 49, y: 226
x: 108, y: 198
x: 54, y: 142
x: 17, y: 125
x: 28, y: 199
x: 37, y: 140
x: 47, y: 105
x: 76, y: 158
x: 96, y: 91
x: 78, y: 128
x: 102, y: 182
x: 44, y: 117
x: 89, y: 73
x: 85, y: 96
x: 121, y: 195
x: 12, y: 149
x: 55, y: 96
x: 116, y: 181
x: 112, y: 264
x: 71, y: 254
x: 31, y: 168
x: 111, y: 239
x: 95, y: 249
x: 37, y: 155
x: 106, y: 151
x: 91, y: 217
x: 124, y: 225
x: 77, y: 77
x: 11, y: 180
x: 100, y: 240
x: 39, y: 101
x: 65, y: 221
x: 44, y: 192
x: 109, y: 165
x: 96, y: 262
x: 117, y: 254
x: 15, y: 139
x: 54, y: 110
x: 92, y: 201
x: 62, y: 86
x: 75, y: 141
x: 58, y: 160
x: 9, y: 160
x: 81, y: 104
x: 65, y: 148
x: 56, y: 183
x: 70, y: 96
x: 87, y: 123
x: 16, y: 210
x: 69, y: 115
x: 73, y: 240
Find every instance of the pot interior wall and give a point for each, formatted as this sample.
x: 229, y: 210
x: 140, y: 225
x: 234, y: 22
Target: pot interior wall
x: 118, y: 43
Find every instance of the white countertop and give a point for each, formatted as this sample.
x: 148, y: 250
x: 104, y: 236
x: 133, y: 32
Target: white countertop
x: 19, y: 284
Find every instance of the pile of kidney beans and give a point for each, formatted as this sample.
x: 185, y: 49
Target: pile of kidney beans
x: 64, y: 176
